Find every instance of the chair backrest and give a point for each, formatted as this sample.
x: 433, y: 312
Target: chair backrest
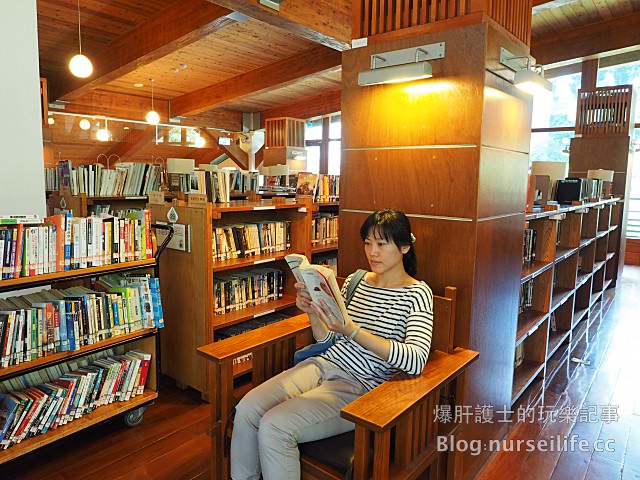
x: 444, y: 317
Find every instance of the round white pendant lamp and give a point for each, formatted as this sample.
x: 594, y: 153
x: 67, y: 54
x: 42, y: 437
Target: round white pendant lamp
x: 103, y: 134
x: 200, y: 142
x: 152, y: 116
x: 85, y: 124
x: 80, y: 65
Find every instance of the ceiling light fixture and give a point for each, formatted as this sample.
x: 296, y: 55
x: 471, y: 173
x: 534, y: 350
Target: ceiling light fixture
x: 103, y: 134
x: 80, y: 65
x: 528, y: 78
x: 200, y: 141
x: 152, y: 116
x: 85, y: 124
x: 402, y: 65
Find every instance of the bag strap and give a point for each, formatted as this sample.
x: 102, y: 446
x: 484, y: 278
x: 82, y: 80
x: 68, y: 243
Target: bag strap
x: 353, y: 284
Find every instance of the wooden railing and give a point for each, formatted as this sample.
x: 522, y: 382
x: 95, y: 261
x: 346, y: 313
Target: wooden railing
x: 605, y: 111
x: 373, y: 17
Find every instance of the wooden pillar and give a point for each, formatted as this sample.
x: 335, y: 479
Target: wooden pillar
x: 453, y: 153
x: 589, y: 74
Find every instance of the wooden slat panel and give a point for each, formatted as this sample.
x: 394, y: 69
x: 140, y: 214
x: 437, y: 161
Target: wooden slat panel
x: 605, y: 110
x: 377, y: 17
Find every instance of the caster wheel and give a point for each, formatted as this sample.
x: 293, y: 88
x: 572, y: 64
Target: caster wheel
x: 134, y: 417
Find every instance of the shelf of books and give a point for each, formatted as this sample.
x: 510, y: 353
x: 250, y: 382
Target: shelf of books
x: 84, y: 350
x: 569, y: 259
x: 229, y: 275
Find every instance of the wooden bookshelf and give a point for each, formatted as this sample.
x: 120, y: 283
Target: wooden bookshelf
x: 99, y: 415
x: 188, y: 277
x: 144, y: 339
x: 47, y: 278
x: 523, y: 376
x: 256, y: 311
x: 577, y: 253
x: 329, y: 247
x: 13, y: 370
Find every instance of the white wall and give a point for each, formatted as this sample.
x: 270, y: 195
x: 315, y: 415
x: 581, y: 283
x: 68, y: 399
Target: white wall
x: 21, y: 156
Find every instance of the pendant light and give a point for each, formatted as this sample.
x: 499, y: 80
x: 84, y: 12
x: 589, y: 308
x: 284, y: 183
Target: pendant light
x: 152, y: 116
x: 80, y: 65
x: 103, y: 134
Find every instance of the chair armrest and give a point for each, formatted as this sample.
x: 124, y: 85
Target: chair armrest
x: 248, y: 342
x: 379, y: 409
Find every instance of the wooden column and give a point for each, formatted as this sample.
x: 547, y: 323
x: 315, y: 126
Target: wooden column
x: 589, y: 74
x: 452, y: 152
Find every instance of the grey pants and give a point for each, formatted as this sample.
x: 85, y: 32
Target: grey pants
x: 299, y: 405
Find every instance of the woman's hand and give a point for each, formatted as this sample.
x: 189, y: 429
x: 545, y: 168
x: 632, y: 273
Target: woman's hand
x: 303, y: 299
x: 337, y: 324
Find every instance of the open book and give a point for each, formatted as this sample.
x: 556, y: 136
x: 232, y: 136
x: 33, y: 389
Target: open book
x: 320, y: 282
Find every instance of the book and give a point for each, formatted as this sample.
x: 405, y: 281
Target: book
x: 307, y: 183
x: 320, y: 282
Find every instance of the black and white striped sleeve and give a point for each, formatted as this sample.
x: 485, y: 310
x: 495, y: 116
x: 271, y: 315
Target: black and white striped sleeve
x: 411, y: 355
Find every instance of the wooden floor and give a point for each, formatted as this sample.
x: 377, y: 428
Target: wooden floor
x: 172, y: 442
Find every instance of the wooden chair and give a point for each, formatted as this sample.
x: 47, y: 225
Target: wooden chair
x: 395, y: 432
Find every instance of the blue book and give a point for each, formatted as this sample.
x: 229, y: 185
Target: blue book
x: 8, y: 407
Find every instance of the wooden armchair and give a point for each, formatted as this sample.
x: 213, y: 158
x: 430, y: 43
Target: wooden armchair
x: 395, y: 429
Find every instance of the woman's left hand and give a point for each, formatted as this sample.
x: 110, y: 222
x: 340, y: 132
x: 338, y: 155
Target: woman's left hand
x: 339, y: 325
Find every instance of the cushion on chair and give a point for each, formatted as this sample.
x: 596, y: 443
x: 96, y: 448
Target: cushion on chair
x: 336, y: 452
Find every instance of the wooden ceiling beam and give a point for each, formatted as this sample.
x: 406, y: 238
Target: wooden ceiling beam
x: 327, y: 22
x: 137, y: 138
x: 179, y: 25
x: 204, y: 155
x: 313, y: 62
x: 322, y: 104
x: 593, y: 39
x: 234, y: 151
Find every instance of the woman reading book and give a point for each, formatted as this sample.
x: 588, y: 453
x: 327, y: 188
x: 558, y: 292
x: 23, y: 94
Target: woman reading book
x: 387, y: 330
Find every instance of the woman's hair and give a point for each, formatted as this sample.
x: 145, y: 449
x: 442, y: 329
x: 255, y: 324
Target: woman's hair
x: 393, y: 226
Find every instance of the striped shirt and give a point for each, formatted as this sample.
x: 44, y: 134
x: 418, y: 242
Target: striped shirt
x: 402, y: 315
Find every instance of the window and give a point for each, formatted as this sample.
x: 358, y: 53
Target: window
x: 559, y: 108
x: 550, y: 146
x: 625, y: 74
x: 323, y: 141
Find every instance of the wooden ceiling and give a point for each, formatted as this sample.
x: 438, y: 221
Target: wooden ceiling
x: 256, y: 60
x: 550, y: 18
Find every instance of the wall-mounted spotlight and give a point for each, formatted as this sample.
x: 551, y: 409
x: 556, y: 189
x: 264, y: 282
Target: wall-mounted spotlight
x: 529, y: 78
x: 402, y: 65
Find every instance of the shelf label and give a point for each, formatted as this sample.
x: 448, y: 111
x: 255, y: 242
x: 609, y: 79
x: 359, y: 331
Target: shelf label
x: 197, y: 200
x: 266, y: 260
x: 156, y: 198
x: 266, y: 312
x: 266, y: 207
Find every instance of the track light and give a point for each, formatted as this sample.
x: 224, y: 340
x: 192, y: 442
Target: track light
x: 402, y: 65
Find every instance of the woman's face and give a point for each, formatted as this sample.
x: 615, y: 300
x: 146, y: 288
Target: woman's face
x: 383, y: 255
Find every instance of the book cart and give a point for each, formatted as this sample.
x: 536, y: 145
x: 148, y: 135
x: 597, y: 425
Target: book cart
x: 576, y: 260
x: 188, y: 276
x: 146, y: 339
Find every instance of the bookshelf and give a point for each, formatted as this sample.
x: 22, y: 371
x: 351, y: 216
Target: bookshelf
x: 575, y: 262
x: 188, y: 277
x: 80, y: 204
x: 145, y: 340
